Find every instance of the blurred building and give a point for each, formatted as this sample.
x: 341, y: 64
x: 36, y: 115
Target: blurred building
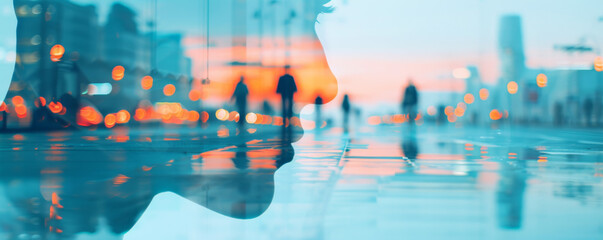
x: 568, y: 96
x: 42, y: 25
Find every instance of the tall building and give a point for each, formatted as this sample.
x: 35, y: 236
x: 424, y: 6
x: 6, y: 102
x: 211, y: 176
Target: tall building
x: 511, y: 48
x: 44, y: 24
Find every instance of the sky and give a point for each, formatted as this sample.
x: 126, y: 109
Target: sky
x: 386, y: 42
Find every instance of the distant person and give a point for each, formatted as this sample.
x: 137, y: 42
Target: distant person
x: 286, y: 88
x: 588, y: 111
x: 410, y: 101
x: 240, y: 96
x: 318, y: 105
x: 346, y: 107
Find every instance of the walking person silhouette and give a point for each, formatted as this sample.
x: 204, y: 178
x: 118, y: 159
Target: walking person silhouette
x: 240, y: 96
x: 410, y: 101
x: 287, y: 88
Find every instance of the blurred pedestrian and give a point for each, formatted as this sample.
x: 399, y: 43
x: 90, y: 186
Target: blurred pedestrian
x: 318, y: 105
x: 286, y: 88
x: 346, y: 107
x: 240, y: 96
x: 410, y: 101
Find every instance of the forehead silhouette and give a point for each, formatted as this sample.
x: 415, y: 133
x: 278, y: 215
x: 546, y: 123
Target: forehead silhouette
x: 77, y: 64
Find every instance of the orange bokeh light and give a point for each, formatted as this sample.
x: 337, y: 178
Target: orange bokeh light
x: 193, y: 116
x: 55, y: 107
x: 449, y: 110
x: 542, y: 80
x: 18, y: 100
x: 222, y: 114
x: 469, y: 98
x: 484, y: 94
x: 57, y: 52
x: 169, y: 90
x: 459, y: 111
x: 110, y: 120
x: 2, y: 107
x: 140, y: 114
x: 599, y: 64
x: 495, y: 115
x: 122, y: 117
x: 146, y: 82
x: 21, y: 110
x: 512, y: 87
x: 204, y: 116
x: 251, y: 118
x: 41, y: 102
x: 194, y: 95
x: 118, y: 73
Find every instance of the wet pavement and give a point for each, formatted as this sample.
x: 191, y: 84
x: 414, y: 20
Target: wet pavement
x: 384, y: 182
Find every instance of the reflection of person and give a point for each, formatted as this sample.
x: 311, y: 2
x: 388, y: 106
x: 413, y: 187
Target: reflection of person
x: 240, y: 96
x: 286, y: 88
x: 510, y: 194
x: 411, y: 99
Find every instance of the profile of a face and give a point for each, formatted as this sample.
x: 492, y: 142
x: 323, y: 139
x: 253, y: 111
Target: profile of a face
x: 8, y: 26
x: 232, y: 175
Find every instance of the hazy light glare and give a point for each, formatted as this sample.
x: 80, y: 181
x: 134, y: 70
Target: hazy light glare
x: 461, y: 73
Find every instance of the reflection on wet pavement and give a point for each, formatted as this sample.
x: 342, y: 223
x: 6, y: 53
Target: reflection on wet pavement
x: 61, y: 184
x: 376, y: 183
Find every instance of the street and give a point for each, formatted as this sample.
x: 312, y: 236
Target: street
x: 374, y: 182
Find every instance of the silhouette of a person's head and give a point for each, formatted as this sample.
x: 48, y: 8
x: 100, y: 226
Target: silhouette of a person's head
x: 68, y: 184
